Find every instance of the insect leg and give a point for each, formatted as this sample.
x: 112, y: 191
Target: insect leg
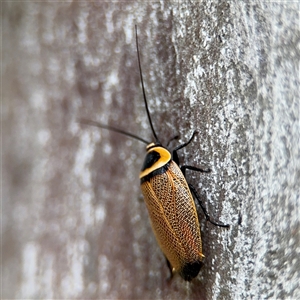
x: 196, y: 195
x: 172, y: 139
x: 185, y: 144
x: 174, y: 152
x: 183, y: 168
x: 170, y: 269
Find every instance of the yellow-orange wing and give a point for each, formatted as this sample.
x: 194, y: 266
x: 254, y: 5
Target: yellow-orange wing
x: 173, y: 217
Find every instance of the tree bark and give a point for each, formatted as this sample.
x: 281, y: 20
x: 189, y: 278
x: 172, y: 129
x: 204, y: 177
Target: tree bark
x: 73, y: 223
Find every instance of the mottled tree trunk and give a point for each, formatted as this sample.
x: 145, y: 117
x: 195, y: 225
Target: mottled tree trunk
x: 73, y: 223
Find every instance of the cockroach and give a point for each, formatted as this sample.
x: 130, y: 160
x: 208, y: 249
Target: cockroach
x: 169, y: 199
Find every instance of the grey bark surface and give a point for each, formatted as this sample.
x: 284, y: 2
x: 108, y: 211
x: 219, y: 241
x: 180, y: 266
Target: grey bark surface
x: 73, y: 223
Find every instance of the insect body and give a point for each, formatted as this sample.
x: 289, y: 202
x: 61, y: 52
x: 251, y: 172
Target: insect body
x: 169, y: 200
x: 172, y: 212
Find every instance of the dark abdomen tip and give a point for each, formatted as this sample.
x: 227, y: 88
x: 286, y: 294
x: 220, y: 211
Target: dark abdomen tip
x: 191, y: 270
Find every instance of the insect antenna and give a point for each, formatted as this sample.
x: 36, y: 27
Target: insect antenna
x: 143, y: 88
x: 100, y: 125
